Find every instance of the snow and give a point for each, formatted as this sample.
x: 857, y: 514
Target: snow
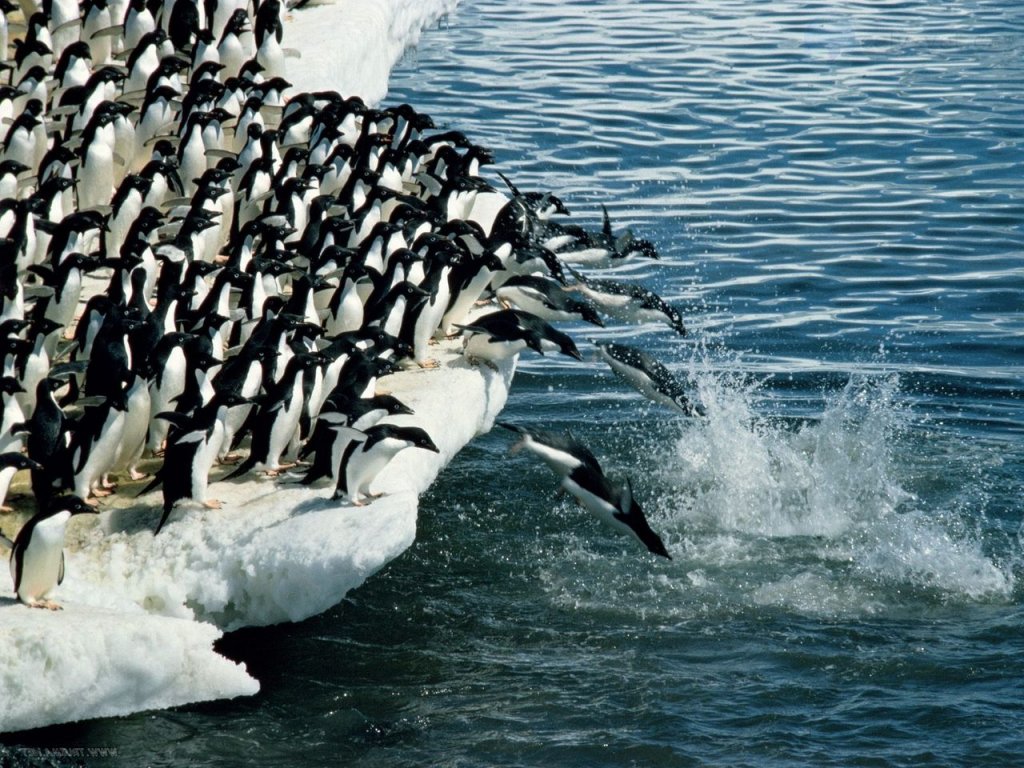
x: 278, y: 551
x: 350, y: 46
x: 88, y: 661
x: 141, y: 613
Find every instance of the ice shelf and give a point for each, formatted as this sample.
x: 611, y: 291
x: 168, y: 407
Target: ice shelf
x: 142, y: 612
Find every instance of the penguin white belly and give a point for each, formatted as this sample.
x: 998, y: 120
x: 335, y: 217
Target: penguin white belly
x: 464, y: 301
x: 204, y: 460
x: 41, y: 562
x: 96, y: 176
x: 480, y: 347
x: 284, y: 426
x: 170, y: 384
x: 590, y: 257
x: 364, y: 466
x: 136, y: 424
x: 560, y: 462
x: 350, y: 312
x: 101, y: 453
x: 600, y: 508
x: 427, y: 323
x: 235, y: 417
x: 609, y: 302
x: 6, y: 476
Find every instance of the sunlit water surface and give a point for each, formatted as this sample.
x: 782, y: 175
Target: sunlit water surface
x: 836, y: 190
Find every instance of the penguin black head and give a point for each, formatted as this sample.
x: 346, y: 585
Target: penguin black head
x: 10, y: 385
x: 392, y: 405
x: 71, y: 503
x: 415, y: 436
x: 19, y: 461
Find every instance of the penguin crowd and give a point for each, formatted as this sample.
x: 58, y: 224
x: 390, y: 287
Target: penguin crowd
x: 200, y: 266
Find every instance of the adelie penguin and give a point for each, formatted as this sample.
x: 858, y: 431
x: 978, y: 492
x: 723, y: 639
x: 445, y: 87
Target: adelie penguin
x: 370, y: 453
x: 581, y: 476
x: 547, y: 300
x: 10, y: 464
x: 37, y: 555
x: 500, y: 335
x: 630, y: 302
x: 649, y: 377
x: 192, y: 448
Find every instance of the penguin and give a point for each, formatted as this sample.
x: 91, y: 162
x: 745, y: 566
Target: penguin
x: 332, y: 436
x: 48, y: 441
x: 278, y: 417
x: 37, y: 557
x: 73, y: 69
x: 577, y: 246
x: 370, y: 453
x: 170, y: 365
x: 235, y: 43
x: 192, y: 447
x: 649, y: 377
x: 95, y: 442
x: 547, y: 300
x: 615, y: 507
x: 96, y: 167
x: 507, y: 332
x: 628, y: 301
x: 582, y: 477
x: 137, y: 23
x: 10, y: 464
x: 25, y: 141
x: 95, y: 19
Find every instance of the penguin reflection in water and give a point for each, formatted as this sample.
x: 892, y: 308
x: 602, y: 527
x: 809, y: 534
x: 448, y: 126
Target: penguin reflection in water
x: 37, y: 553
x: 583, y: 478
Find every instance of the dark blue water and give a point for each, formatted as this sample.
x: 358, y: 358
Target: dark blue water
x: 837, y: 192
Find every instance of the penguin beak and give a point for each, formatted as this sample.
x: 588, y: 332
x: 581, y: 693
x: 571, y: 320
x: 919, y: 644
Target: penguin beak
x: 427, y: 444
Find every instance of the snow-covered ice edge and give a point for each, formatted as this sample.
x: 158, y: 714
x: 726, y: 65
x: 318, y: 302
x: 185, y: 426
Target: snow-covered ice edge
x: 141, y: 613
x: 351, y: 46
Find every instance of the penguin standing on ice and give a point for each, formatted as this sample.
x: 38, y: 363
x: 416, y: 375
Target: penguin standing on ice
x: 367, y: 456
x: 278, y: 418
x: 37, y: 556
x: 192, y: 447
x: 333, y: 432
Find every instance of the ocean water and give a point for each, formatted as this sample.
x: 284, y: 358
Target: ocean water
x: 837, y: 191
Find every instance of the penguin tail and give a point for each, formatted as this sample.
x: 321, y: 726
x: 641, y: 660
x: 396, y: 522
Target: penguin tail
x: 163, y: 518
x: 157, y: 479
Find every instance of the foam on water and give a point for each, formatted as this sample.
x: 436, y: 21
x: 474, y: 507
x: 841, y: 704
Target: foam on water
x: 814, y: 517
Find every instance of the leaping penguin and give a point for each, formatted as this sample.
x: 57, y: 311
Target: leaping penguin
x: 652, y: 379
x: 581, y: 475
x: 500, y: 335
x: 37, y: 557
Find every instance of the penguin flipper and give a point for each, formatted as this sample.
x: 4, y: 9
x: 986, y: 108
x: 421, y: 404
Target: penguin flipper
x: 241, y: 469
x: 60, y: 573
x: 157, y: 479
x: 163, y: 518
